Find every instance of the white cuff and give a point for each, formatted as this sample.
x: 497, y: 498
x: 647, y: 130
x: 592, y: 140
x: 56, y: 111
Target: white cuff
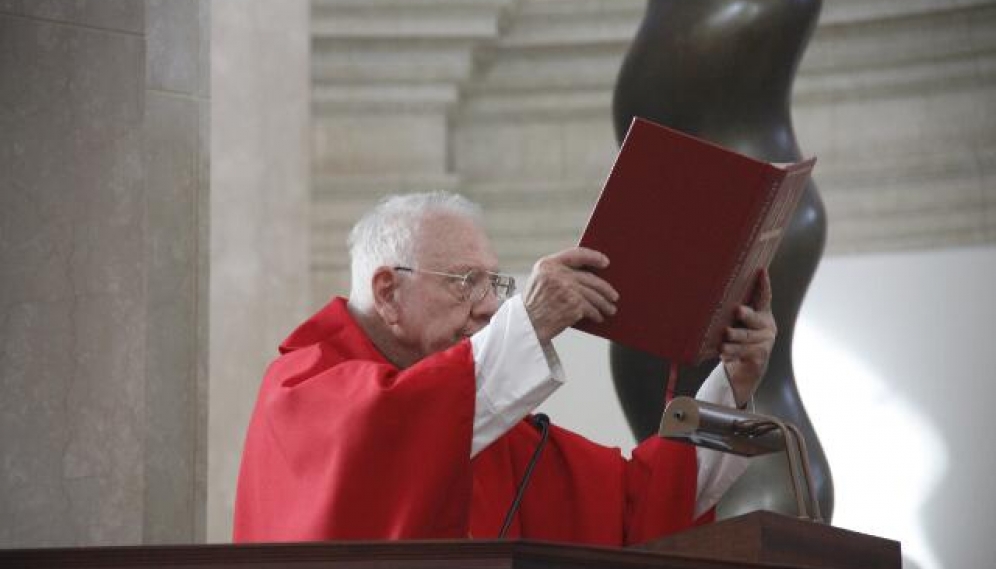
x: 515, y: 373
x: 717, y: 471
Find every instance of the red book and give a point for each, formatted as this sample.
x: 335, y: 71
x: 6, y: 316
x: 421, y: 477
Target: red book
x: 687, y: 226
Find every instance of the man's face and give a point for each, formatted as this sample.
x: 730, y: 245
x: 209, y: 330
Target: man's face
x: 432, y: 314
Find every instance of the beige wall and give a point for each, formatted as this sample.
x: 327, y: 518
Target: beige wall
x: 103, y: 313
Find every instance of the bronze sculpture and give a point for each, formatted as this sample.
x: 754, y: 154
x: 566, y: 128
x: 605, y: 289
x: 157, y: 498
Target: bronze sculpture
x: 723, y: 70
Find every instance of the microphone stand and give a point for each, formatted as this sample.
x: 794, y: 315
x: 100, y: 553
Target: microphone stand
x: 542, y: 422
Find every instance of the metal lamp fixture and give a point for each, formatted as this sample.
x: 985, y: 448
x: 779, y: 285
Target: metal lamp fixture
x: 746, y: 434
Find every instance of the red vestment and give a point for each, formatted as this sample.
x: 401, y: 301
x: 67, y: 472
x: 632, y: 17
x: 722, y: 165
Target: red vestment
x: 344, y: 445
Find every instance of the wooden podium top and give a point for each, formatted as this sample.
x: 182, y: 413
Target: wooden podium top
x: 443, y: 554
x: 753, y: 541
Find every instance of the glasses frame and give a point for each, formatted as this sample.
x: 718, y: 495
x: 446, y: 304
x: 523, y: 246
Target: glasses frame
x: 497, y: 281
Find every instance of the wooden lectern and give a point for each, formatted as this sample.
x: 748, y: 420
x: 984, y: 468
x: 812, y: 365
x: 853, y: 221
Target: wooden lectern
x: 760, y: 540
x: 771, y: 539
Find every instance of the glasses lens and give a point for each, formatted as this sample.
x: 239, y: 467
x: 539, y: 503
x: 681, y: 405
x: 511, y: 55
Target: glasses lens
x: 504, y: 287
x: 481, y: 282
x: 477, y: 285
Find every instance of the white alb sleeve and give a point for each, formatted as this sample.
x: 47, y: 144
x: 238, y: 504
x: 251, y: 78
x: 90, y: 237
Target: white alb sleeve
x: 515, y: 373
x: 717, y: 470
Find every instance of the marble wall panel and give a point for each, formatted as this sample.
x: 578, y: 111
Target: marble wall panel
x: 34, y: 377
x: 121, y: 15
x: 380, y: 144
x: 35, y: 294
x: 509, y: 151
x: 103, y: 255
x: 589, y: 149
x: 581, y: 148
x: 176, y: 252
x: 176, y: 46
x: 72, y: 292
x: 387, y: 61
x: 203, y: 330
x: 842, y: 11
x: 102, y: 461
x: 173, y: 310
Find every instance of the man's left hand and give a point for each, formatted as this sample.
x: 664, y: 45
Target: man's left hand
x: 747, y: 348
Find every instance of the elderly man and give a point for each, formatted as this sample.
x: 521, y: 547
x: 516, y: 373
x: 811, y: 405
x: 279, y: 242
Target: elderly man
x: 403, y: 412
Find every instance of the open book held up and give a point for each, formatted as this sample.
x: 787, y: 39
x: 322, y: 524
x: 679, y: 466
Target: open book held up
x: 687, y: 226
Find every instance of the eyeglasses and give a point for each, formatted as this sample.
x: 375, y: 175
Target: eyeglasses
x: 475, y: 284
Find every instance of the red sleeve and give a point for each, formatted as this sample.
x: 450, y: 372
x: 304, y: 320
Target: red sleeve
x: 661, y: 481
x: 359, y: 450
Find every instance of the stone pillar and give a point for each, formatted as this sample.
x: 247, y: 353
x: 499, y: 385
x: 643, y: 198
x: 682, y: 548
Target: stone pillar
x: 102, y: 310
x: 175, y: 171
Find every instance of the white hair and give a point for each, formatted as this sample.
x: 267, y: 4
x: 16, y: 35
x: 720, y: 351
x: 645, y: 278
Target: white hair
x: 386, y: 235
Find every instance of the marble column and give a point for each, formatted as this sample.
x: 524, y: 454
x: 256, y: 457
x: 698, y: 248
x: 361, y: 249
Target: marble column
x: 104, y: 166
x: 155, y: 178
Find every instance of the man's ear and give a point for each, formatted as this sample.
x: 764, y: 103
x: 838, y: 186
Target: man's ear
x: 385, y: 284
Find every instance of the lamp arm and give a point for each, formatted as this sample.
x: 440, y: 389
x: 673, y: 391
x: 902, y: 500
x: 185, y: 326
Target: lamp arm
x: 795, y: 469
x: 747, y: 434
x: 806, y: 471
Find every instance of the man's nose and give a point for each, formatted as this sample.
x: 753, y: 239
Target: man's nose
x: 484, y: 309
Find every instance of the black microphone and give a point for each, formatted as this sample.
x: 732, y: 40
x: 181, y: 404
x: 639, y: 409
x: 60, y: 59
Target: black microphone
x: 541, y: 422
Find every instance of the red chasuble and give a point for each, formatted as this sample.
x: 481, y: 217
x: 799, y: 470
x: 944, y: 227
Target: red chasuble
x: 343, y: 445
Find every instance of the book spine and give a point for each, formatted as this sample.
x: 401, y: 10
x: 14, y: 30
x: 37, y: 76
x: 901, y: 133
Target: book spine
x: 707, y: 344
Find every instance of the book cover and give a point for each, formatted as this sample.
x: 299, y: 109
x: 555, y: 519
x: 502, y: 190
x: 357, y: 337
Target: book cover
x: 687, y: 226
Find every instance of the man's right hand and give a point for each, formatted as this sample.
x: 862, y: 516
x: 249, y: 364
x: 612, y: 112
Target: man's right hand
x: 561, y: 291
